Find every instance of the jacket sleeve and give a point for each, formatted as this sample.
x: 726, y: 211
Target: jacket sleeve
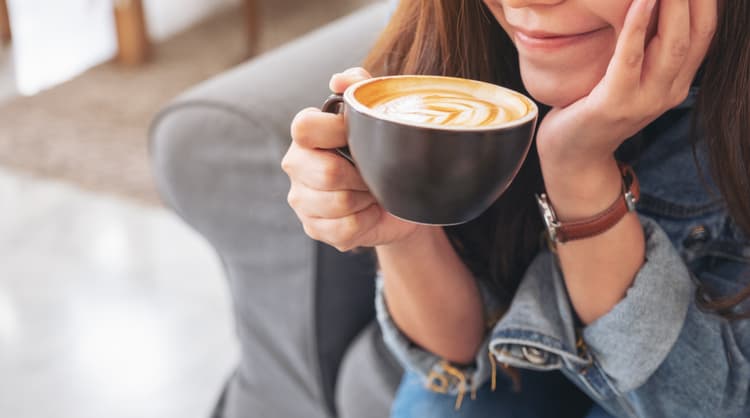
x: 439, y: 375
x: 655, y: 354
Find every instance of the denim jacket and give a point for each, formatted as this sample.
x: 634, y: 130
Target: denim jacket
x: 656, y: 353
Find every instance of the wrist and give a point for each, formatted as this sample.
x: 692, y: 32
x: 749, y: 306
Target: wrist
x: 582, y: 191
x: 422, y: 238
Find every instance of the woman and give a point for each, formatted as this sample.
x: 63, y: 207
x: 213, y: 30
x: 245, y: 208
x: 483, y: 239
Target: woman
x: 645, y: 315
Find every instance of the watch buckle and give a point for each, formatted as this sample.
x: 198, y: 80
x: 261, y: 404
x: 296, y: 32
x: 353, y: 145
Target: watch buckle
x: 630, y: 201
x: 548, y: 215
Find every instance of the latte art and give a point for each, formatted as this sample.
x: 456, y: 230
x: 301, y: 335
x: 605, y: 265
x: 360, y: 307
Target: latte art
x: 441, y: 102
x: 443, y: 108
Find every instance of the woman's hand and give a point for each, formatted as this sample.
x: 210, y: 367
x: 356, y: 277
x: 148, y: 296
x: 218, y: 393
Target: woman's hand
x: 335, y: 206
x: 641, y: 83
x: 327, y: 192
x: 576, y: 143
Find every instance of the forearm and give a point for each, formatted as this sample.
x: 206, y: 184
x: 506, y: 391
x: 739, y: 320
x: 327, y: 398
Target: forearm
x: 597, y: 270
x: 432, y: 296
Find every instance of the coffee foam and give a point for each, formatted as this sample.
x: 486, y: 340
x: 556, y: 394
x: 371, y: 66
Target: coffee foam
x: 442, y: 102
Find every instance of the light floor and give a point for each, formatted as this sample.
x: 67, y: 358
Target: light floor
x: 107, y: 309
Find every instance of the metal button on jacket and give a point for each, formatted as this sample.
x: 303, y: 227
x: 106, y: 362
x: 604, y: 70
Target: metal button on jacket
x: 534, y: 355
x: 697, y: 235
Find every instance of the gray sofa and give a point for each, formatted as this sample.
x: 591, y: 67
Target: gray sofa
x: 304, y: 312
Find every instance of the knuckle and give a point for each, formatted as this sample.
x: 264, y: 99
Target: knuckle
x: 637, y: 27
x: 680, y: 97
x: 286, y: 162
x: 634, y: 59
x: 310, y: 231
x: 620, y: 113
x: 652, y: 107
x: 349, y: 227
x: 343, y: 248
x: 344, y: 200
x: 330, y: 173
x: 679, y: 48
x: 292, y: 198
x: 655, y: 112
x: 621, y: 120
x: 656, y: 104
x: 706, y: 31
x: 302, y: 125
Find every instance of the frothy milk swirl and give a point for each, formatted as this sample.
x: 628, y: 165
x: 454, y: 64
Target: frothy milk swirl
x: 445, y: 107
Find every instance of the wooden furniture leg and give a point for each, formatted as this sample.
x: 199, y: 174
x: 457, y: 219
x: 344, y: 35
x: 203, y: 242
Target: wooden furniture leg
x: 252, y: 25
x: 132, y: 35
x: 5, y: 35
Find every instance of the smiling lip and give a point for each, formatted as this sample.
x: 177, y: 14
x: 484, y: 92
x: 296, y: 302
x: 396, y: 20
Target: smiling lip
x: 548, y: 41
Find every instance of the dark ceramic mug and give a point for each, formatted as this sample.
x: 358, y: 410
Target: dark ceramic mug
x: 440, y: 166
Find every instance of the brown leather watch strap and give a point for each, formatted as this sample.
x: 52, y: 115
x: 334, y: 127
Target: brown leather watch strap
x: 601, y: 222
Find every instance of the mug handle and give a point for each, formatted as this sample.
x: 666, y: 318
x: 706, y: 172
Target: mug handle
x: 334, y: 104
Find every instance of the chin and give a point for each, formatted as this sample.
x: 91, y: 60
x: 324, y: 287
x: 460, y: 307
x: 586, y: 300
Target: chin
x: 556, y: 89
x: 553, y: 98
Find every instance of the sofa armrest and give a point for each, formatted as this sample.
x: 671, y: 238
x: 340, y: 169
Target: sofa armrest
x: 212, y: 142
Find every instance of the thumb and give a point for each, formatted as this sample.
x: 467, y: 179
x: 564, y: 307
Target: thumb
x: 339, y: 82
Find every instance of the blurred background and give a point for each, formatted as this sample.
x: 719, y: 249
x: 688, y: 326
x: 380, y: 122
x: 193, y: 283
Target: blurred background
x: 109, y: 305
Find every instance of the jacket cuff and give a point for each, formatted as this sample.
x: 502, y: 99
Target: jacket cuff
x: 539, y: 330
x: 644, y: 326
x: 438, y: 374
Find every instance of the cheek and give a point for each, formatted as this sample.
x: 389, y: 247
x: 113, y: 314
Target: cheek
x: 497, y: 11
x: 615, y: 12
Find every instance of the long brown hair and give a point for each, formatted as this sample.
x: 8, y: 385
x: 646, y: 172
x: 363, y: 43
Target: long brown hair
x: 462, y: 38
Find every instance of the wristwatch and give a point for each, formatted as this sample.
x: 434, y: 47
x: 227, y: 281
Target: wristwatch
x: 561, y: 232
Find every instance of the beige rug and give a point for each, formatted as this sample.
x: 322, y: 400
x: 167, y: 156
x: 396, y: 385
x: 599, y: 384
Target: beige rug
x: 92, y: 129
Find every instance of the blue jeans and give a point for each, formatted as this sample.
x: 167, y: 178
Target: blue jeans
x: 543, y: 394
